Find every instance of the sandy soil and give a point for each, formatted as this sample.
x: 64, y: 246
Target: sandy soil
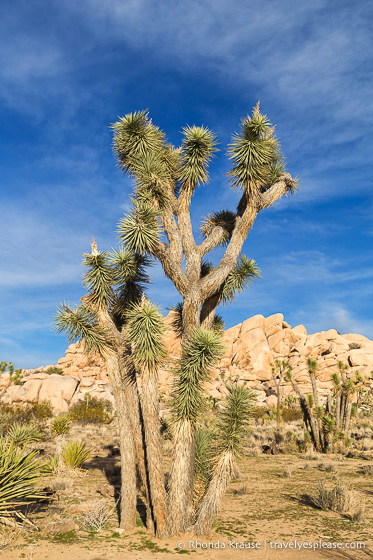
x: 262, y: 506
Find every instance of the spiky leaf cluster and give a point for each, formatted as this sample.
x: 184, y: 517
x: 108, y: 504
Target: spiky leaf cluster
x: 98, y: 279
x: 135, y: 138
x: 312, y: 365
x: 145, y: 327
x: 200, y: 353
x: 198, y: 147
x: 80, y: 324
x: 130, y: 278
x: 23, y: 434
x: 245, y: 271
x: 233, y: 419
x: 328, y: 424
x: 19, y: 473
x: 255, y: 153
x: 139, y: 230
x: 224, y: 219
x: 75, y: 453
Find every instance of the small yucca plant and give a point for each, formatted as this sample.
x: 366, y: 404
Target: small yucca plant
x: 74, y: 454
x: 22, y: 434
x: 19, y: 473
x: 60, y: 426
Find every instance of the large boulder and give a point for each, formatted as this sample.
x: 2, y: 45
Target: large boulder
x: 58, y: 385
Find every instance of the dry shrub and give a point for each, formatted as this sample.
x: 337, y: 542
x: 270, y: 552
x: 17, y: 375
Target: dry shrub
x: 244, y: 489
x: 337, y: 498
x: 97, y: 515
x: 368, y: 469
x: 254, y: 451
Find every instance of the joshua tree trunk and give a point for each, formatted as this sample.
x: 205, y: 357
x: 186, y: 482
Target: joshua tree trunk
x: 348, y: 416
x: 127, y: 450
x: 181, y: 478
x: 137, y: 429
x: 338, y: 411
x: 150, y: 408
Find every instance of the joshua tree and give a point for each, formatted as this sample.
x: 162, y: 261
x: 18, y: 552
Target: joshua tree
x: 160, y: 225
x: 127, y: 330
x: 15, y: 376
x: 114, y: 282
x: 331, y: 421
x: 279, y: 370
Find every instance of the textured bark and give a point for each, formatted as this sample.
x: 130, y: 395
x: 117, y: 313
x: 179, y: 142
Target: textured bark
x: 209, y: 508
x: 191, y: 313
x: 338, y: 411
x: 137, y: 428
x: 180, y: 493
x: 208, y: 311
x: 128, y: 496
x: 150, y: 408
x: 348, y: 417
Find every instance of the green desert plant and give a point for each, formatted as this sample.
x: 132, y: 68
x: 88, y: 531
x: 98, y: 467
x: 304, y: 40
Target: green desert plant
x: 15, y: 376
x: 61, y: 426
x: 54, y: 370
x: 91, y: 410
x: 19, y: 475
x: 74, y: 453
x: 22, y: 434
x: 232, y: 424
x: 331, y: 422
x: 159, y: 225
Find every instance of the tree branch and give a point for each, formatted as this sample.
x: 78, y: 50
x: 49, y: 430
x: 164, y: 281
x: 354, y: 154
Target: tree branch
x: 247, y: 212
x: 281, y: 187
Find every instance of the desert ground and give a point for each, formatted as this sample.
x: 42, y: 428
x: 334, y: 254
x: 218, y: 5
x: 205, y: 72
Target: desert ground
x: 267, y: 512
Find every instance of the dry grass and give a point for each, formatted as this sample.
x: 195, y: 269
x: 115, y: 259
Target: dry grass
x: 97, y: 515
x: 337, y: 498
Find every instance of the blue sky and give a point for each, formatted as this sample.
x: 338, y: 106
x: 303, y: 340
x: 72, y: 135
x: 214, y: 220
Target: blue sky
x: 69, y: 69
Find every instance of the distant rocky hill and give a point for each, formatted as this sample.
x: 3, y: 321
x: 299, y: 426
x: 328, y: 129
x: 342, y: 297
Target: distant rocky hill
x: 251, y: 347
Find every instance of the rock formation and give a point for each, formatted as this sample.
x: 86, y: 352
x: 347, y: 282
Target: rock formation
x: 251, y: 347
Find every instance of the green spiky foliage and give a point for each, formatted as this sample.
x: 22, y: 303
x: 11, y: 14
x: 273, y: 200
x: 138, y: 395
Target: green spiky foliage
x: 139, y: 230
x: 204, y: 444
x: 60, y: 426
x: 145, y: 328
x: 232, y: 424
x: 23, y: 434
x: 234, y: 418
x: 15, y: 376
x: 312, y: 365
x: 75, y: 453
x: 199, y: 354
x: 245, y: 271
x: 98, y: 279
x: 255, y: 152
x: 80, y: 324
x: 135, y: 138
x: 197, y: 149
x: 19, y: 475
x: 114, y: 282
x: 224, y: 219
